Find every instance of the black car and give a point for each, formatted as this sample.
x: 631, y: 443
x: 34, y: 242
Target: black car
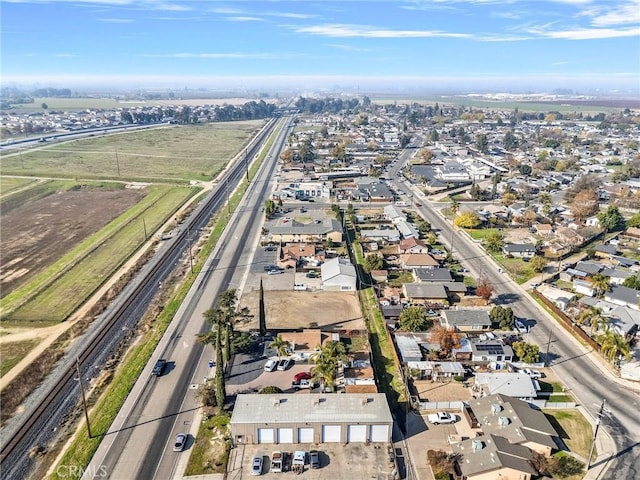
x: 158, y: 368
x: 314, y: 459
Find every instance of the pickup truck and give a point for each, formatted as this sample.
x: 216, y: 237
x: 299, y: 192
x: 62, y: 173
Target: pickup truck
x: 299, y: 458
x: 302, y: 383
x: 441, y: 417
x: 277, y: 460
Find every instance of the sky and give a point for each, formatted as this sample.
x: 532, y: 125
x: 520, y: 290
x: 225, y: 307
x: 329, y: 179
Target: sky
x: 470, y: 45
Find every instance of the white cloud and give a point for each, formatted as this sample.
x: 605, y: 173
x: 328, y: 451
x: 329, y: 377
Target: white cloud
x: 361, y: 31
x: 610, y: 15
x: 587, y: 33
x: 115, y: 20
x: 245, y: 19
x: 349, y: 48
x: 221, y: 55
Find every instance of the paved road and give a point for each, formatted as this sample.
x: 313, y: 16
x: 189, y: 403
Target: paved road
x: 140, y: 440
x: 581, y: 370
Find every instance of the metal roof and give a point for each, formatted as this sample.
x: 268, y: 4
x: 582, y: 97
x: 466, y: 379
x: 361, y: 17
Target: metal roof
x: 312, y: 408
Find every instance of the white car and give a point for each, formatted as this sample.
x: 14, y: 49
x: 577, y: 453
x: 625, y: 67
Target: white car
x: 441, y: 417
x: 521, y: 327
x: 270, y: 366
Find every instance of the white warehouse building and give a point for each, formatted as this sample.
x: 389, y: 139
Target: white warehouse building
x: 312, y: 418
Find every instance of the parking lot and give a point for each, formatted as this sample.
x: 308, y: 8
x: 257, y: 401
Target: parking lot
x: 337, y: 460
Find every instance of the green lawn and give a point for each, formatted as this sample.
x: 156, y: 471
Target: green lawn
x: 479, y: 233
x: 176, y: 153
x: 574, y: 430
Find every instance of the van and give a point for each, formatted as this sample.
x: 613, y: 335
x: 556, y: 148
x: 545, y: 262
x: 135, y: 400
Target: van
x: 270, y: 366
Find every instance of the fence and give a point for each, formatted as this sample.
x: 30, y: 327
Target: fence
x: 455, y: 405
x: 566, y: 322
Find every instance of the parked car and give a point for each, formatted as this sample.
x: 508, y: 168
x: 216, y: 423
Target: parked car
x: 314, y: 459
x: 270, y: 366
x: 441, y: 417
x: 270, y: 248
x: 521, y: 327
x: 274, y: 272
x: 256, y: 465
x: 301, y: 376
x: 158, y: 368
x: 268, y: 268
x: 181, y: 439
x: 532, y: 373
x: 284, y: 363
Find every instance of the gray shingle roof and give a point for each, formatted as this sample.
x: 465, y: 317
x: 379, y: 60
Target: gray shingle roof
x: 467, y: 317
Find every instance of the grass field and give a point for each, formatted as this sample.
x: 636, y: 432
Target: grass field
x: 61, y: 288
x: 9, y: 184
x: 174, y: 153
x: 12, y: 352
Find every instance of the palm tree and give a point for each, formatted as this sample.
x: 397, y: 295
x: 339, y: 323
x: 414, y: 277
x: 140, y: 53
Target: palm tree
x: 614, y: 346
x: 601, y: 283
x: 592, y: 316
x: 327, y: 359
x: 281, y: 346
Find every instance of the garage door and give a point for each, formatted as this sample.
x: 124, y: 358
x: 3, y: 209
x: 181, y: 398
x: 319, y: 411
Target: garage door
x: 285, y: 435
x: 331, y: 433
x: 265, y: 435
x: 379, y: 433
x: 357, y: 433
x: 305, y: 435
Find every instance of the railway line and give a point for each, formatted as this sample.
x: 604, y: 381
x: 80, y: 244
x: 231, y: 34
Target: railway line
x: 56, y: 398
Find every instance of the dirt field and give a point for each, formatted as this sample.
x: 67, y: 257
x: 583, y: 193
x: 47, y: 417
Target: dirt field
x: 37, y: 233
x: 295, y: 310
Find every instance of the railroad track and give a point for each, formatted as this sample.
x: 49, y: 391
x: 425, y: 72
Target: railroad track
x: 21, y: 440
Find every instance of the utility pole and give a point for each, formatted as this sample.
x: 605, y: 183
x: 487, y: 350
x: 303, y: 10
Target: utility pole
x: 190, y: 253
x: 144, y: 226
x: 117, y: 161
x: 546, y: 355
x: 228, y: 200
x: 246, y: 162
x: 595, y: 433
x: 84, y: 400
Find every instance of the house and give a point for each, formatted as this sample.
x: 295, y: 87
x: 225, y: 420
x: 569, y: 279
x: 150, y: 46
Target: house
x: 491, y: 351
x: 516, y: 421
x: 606, y: 251
x: 409, y: 348
x: 406, y: 229
x: 624, y: 296
x: 526, y: 250
x: 412, y: 245
x: 359, y: 372
x: 304, y: 344
x: 311, y: 418
x: 466, y: 320
x: 338, y: 274
x: 386, y: 235
x: 380, y: 275
x: 584, y: 287
x: 425, y: 293
x: 560, y: 298
x: 543, y: 229
x: 516, y: 385
x: 417, y: 260
x: 624, y: 321
x: 393, y: 213
x: 616, y: 276
x: 436, y: 370
x: 430, y: 275
x: 295, y: 254
x: 493, y: 457
x: 294, y: 232
x: 631, y: 234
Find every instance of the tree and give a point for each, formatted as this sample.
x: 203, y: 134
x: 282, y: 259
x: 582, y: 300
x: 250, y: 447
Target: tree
x: 632, y: 282
x: 634, y: 221
x: 510, y: 141
x: 44, y: 106
x: 526, y: 352
x: 537, y: 264
x: 485, y: 289
x: 226, y: 303
x: 585, y: 204
x: 494, y: 241
x: 593, y: 317
x: 215, y: 318
x: 327, y: 359
x: 467, y: 219
x: 281, y: 346
x: 601, y: 283
x: 614, y: 346
x: 287, y: 156
x: 482, y: 143
x: 447, y: 338
x: 262, y: 314
x: 269, y: 208
x: 206, y: 393
x: 611, y: 219
x: 509, y: 198
x: 414, y: 319
x: 424, y: 228
x: 269, y: 389
x: 372, y: 262
x: 426, y: 155
x: 504, y: 317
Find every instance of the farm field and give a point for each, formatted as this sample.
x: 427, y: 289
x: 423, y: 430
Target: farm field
x: 175, y: 153
x: 98, y: 240
x: 11, y: 184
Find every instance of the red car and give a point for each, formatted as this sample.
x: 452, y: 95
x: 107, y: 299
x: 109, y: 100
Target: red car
x: 302, y: 376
